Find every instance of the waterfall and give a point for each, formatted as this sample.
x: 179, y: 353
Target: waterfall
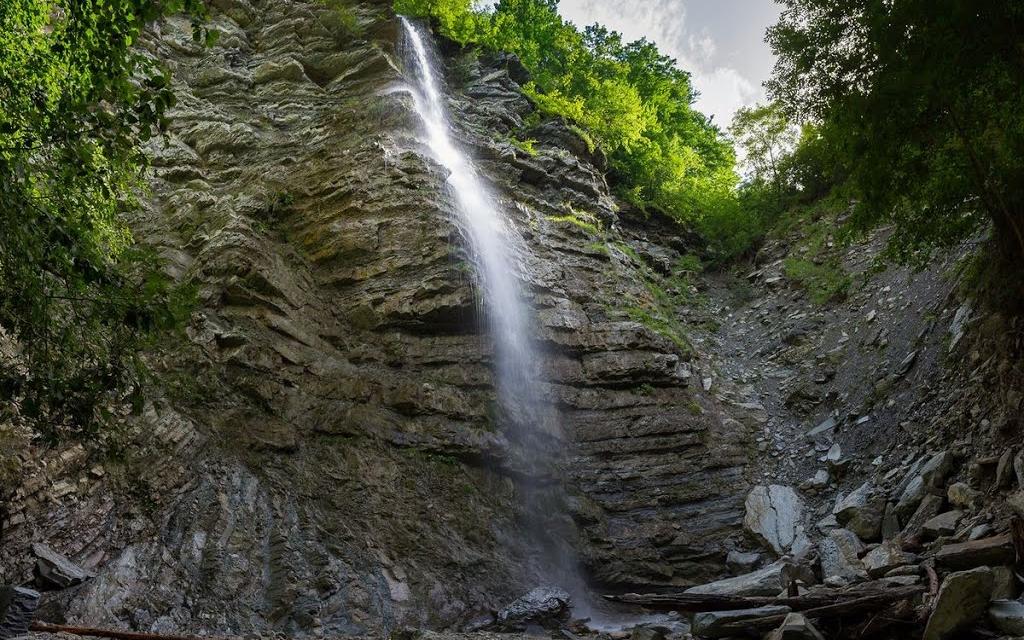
x: 490, y: 238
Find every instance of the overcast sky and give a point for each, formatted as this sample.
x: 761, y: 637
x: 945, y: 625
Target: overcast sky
x: 721, y: 42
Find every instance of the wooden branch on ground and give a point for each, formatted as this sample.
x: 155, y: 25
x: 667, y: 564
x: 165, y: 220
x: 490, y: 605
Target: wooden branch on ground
x: 715, y: 602
x: 865, y: 604
x: 45, y: 627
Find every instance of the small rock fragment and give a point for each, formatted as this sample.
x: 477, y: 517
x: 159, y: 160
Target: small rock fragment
x: 861, y: 512
x: 884, y: 558
x: 56, y: 571
x: 890, y: 522
x: 926, y: 510
x: 960, y: 494
x: 796, y: 627
x: 742, y: 562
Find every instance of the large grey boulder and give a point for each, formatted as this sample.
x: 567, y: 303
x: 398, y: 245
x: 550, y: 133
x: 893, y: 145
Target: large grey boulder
x: 963, y: 598
x: 773, y: 516
x: 839, y: 553
x: 544, y: 606
x: 1007, y: 616
x: 17, y: 607
x: 56, y: 571
x: 768, y: 581
x: 710, y: 624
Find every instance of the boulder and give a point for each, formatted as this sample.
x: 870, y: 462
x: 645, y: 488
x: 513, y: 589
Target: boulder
x: 796, y: 627
x: 56, y: 571
x: 17, y: 608
x: 943, y: 524
x: 544, y: 606
x: 890, y: 522
x: 926, y: 510
x: 963, y: 598
x: 861, y: 512
x: 839, y: 554
x: 1007, y: 616
x: 960, y: 494
x: 975, y: 553
x: 742, y: 562
x: 884, y: 558
x: 815, y: 483
x: 710, y: 624
x: 773, y: 515
x: 1004, y: 583
x: 768, y: 581
x: 1004, y: 470
x: 930, y: 477
x: 1018, y: 468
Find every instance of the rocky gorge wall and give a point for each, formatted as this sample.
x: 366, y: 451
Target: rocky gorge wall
x: 325, y: 455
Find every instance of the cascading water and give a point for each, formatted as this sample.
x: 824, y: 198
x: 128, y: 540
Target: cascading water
x: 491, y: 238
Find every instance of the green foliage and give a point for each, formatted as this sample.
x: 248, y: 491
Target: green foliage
x: 585, y: 221
x: 342, y: 19
x: 657, y: 309
x: 627, y: 98
x: 923, y: 102
x: 77, y: 102
x: 527, y: 146
x: 766, y: 136
x: 823, y: 282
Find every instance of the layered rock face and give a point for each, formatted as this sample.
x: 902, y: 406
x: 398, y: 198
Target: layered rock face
x: 328, y: 456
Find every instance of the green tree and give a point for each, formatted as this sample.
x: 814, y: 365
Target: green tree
x: 77, y: 102
x: 766, y: 136
x: 923, y: 100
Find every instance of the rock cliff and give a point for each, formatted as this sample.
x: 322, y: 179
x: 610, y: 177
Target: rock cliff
x: 325, y: 456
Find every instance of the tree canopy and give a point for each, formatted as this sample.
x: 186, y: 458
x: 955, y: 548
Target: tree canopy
x: 922, y: 101
x: 77, y: 102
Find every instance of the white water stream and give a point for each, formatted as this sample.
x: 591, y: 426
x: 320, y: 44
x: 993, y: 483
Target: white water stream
x: 490, y: 237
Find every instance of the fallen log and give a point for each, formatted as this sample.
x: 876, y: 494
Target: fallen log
x: 692, y: 602
x: 717, y: 602
x: 856, y: 606
x: 45, y: 627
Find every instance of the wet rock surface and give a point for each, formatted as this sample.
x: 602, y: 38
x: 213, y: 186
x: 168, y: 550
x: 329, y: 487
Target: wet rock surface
x: 542, y: 606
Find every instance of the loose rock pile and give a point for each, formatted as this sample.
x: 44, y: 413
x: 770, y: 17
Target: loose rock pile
x: 910, y: 549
